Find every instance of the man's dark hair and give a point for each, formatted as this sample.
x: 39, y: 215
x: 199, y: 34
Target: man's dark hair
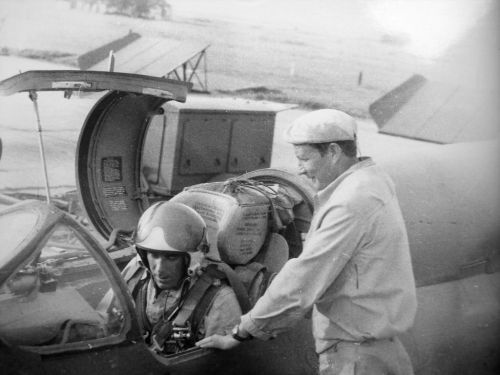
x: 347, y: 147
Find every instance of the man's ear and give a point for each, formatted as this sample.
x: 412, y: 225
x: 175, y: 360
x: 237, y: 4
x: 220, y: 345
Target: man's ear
x: 335, y: 150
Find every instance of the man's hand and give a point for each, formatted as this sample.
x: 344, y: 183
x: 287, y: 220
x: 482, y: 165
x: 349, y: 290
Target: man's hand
x: 218, y: 342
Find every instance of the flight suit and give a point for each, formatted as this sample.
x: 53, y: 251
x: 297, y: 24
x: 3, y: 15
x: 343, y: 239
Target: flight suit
x: 222, y: 312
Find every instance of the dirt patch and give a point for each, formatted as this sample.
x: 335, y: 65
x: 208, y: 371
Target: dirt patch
x: 257, y: 93
x: 46, y: 55
x: 275, y: 95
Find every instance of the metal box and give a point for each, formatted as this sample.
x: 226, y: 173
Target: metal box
x: 206, y: 138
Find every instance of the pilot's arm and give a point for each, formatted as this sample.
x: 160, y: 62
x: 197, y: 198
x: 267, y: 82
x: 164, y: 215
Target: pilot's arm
x: 223, y: 315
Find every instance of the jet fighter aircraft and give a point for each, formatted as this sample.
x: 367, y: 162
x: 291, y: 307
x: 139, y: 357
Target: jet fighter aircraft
x: 140, y: 144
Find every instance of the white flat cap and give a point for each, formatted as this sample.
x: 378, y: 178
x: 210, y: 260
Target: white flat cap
x: 321, y: 126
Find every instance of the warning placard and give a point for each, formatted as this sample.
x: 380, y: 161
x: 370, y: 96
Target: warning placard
x: 114, y: 191
x: 111, y: 169
x: 118, y: 205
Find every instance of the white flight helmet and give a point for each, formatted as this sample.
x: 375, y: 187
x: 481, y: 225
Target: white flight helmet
x: 170, y: 227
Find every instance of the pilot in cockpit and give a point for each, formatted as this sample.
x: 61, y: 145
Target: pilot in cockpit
x: 177, y: 306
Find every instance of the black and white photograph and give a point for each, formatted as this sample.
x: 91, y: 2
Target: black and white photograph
x: 249, y: 187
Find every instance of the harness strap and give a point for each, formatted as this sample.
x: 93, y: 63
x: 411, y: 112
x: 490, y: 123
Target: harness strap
x: 237, y: 285
x: 133, y: 277
x: 141, y: 302
x: 249, y: 273
x: 181, y: 328
x: 255, y: 278
x: 255, y: 268
x: 193, y: 297
x: 164, y: 328
x: 202, y: 309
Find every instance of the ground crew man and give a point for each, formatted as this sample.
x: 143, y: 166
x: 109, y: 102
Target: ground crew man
x: 174, y: 308
x: 354, y: 272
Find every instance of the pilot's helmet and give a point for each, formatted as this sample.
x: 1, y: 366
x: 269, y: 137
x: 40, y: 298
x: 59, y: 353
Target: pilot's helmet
x: 322, y: 126
x: 170, y: 227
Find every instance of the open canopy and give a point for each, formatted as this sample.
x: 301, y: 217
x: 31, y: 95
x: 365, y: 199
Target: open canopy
x: 70, y: 80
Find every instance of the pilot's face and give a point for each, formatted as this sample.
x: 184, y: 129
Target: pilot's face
x: 167, y: 269
x: 317, y: 167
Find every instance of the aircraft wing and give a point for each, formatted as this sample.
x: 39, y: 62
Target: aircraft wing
x: 436, y: 112
x: 455, y: 99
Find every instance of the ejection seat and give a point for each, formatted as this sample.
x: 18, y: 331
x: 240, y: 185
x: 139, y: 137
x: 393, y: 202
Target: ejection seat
x: 251, y: 226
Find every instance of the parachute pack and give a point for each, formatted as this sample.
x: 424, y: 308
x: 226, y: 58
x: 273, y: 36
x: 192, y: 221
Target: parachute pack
x: 239, y: 214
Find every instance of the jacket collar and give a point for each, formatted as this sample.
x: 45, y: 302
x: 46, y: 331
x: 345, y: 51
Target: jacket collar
x: 324, y: 194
